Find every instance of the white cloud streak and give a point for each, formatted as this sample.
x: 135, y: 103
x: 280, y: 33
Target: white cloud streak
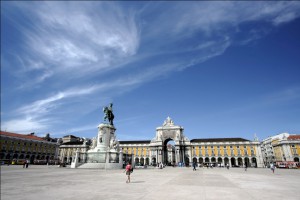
x: 73, y: 39
x: 25, y: 125
x: 33, y: 113
x: 217, y: 16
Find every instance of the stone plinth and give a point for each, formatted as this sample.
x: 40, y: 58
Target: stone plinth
x: 106, y: 153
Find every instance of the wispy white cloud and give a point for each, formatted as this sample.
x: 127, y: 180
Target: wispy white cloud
x: 286, y: 17
x: 205, y: 30
x: 41, y: 109
x: 35, y: 81
x: 43, y: 106
x: 218, y: 16
x: 290, y: 95
x: 84, y: 40
x: 283, y: 96
x: 88, y: 128
x: 73, y: 39
x: 25, y: 125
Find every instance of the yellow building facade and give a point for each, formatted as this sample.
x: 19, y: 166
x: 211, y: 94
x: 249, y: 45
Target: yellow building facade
x: 235, y: 152
x: 16, y: 148
x: 281, y: 149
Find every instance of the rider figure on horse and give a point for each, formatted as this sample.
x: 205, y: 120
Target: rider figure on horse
x: 108, y: 114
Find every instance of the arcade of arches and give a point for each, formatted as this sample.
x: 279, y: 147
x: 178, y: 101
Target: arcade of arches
x: 18, y: 147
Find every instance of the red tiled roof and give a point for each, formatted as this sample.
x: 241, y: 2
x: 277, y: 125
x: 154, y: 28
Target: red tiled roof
x: 294, y: 137
x: 29, y: 136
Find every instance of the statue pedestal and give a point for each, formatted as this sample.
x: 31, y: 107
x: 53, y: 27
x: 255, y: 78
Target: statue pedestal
x: 106, y: 154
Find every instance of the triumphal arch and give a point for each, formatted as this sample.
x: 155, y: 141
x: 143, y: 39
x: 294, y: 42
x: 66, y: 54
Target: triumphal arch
x: 161, y: 152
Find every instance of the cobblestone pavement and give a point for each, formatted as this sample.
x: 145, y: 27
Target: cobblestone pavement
x: 51, y: 182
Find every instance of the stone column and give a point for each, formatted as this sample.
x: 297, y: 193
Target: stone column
x: 121, y: 157
x: 157, y: 154
x: 159, y: 158
x: 177, y: 156
x: 259, y: 156
x: 182, y: 154
x: 190, y: 155
x: 84, y: 157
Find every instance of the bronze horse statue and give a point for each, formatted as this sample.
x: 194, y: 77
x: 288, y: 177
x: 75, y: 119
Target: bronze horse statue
x: 108, y: 114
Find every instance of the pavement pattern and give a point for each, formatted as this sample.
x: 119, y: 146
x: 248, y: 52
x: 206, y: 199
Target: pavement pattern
x: 54, y: 183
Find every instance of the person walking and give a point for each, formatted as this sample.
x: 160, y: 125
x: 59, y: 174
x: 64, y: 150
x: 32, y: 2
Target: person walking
x: 24, y: 163
x: 272, y: 167
x: 128, y: 170
x: 194, y: 166
x: 246, y: 166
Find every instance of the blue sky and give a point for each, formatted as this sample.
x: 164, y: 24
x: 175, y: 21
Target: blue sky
x: 219, y: 69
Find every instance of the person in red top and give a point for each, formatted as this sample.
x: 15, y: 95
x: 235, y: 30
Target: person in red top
x: 128, y: 172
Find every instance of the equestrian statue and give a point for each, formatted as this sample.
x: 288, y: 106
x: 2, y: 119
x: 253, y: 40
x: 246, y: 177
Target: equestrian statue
x: 108, y: 114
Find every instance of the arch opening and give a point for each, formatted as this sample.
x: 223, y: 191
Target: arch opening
x: 142, y: 161
x: 240, y: 162
x: 220, y: 161
x: 213, y: 161
x: 153, y: 161
x: 226, y: 161
x: 169, y: 152
x: 200, y: 161
x: 147, y: 161
x: 247, y: 162
x: 232, y: 162
x: 137, y: 161
x: 254, y: 163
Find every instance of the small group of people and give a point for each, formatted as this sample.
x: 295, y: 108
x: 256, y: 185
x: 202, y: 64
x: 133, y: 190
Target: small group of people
x: 25, y: 163
x: 210, y: 165
x: 160, y: 165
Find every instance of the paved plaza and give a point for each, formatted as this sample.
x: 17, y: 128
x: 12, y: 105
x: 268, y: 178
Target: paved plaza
x: 51, y: 182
